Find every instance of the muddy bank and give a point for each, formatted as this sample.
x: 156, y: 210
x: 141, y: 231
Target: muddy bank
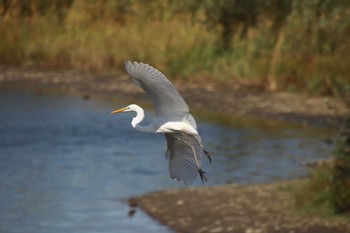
x: 281, y: 106
x: 233, y: 208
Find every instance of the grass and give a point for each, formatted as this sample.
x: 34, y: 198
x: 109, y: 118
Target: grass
x: 299, y: 203
x: 100, y: 45
x: 309, y: 53
x: 327, y: 191
x: 312, y: 195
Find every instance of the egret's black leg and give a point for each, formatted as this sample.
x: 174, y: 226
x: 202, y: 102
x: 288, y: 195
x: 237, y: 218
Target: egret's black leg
x: 205, y: 152
x: 202, y: 175
x: 200, y: 171
x: 208, y: 155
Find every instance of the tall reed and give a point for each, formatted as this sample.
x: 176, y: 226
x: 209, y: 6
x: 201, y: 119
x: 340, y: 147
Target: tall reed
x: 305, y: 48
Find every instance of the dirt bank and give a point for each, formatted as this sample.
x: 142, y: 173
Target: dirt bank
x: 233, y: 208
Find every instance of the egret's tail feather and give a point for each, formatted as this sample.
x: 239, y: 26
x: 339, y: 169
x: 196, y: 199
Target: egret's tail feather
x: 184, y: 154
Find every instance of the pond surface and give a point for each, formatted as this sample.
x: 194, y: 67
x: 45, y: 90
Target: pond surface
x: 66, y: 163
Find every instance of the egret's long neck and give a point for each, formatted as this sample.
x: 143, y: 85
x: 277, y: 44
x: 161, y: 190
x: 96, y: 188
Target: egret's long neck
x: 140, y: 115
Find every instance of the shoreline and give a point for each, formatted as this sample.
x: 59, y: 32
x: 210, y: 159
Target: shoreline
x: 240, y: 101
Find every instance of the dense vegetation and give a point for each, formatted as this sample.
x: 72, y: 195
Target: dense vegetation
x: 340, y: 173
x: 327, y: 191
x: 296, y: 45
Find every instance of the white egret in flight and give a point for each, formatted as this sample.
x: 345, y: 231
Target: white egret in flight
x: 172, y: 118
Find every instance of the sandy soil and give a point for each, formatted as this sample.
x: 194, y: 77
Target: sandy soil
x: 248, y: 209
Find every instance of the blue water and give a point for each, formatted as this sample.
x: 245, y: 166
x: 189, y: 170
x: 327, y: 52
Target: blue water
x: 66, y: 164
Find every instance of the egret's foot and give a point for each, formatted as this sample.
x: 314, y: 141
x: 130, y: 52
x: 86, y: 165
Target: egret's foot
x: 202, y: 175
x: 208, y: 155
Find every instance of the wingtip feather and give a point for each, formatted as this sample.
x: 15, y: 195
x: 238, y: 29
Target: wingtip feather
x: 128, y: 65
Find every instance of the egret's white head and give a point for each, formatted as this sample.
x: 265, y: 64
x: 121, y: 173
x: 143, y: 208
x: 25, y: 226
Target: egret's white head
x: 131, y: 107
x: 137, y: 119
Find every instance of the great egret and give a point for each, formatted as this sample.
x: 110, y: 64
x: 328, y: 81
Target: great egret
x: 184, y: 145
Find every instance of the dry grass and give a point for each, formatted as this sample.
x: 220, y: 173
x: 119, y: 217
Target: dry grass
x: 305, y: 55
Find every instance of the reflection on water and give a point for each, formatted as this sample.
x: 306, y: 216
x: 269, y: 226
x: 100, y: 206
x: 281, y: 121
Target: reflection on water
x: 66, y: 163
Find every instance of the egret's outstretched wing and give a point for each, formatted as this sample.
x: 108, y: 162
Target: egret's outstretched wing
x: 164, y: 96
x: 184, y: 154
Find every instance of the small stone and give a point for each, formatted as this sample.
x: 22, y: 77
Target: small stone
x: 180, y: 202
x: 131, y: 212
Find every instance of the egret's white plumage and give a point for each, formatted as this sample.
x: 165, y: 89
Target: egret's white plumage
x: 172, y: 117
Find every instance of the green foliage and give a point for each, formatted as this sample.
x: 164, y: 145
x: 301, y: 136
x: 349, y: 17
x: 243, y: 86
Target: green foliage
x: 237, y: 16
x: 328, y: 188
x: 314, y: 194
x: 340, y: 183
x: 299, y: 45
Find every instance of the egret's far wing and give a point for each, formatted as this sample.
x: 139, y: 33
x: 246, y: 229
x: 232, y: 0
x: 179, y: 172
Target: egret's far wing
x: 166, y: 99
x: 183, y: 163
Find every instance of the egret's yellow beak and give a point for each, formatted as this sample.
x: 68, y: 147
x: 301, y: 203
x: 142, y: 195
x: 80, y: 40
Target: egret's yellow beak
x: 119, y: 110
